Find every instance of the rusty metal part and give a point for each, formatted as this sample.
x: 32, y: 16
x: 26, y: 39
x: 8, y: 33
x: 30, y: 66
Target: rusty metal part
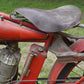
x: 53, y: 20
x: 69, y: 57
x: 58, y: 46
x: 28, y: 72
x: 40, y: 49
x: 28, y: 64
x: 64, y: 53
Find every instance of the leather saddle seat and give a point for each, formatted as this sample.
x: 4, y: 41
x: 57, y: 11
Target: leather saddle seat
x: 54, y: 20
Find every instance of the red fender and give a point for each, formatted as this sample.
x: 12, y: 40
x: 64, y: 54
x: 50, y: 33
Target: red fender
x: 57, y: 68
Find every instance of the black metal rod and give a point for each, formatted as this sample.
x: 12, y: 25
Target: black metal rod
x: 70, y: 36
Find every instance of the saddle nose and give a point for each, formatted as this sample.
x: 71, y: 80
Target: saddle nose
x: 54, y: 20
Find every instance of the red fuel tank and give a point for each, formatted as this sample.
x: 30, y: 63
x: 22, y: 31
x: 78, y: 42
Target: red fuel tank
x: 12, y: 31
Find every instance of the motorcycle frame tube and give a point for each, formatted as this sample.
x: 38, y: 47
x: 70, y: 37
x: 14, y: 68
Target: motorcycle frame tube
x: 36, y: 63
x: 11, y: 31
x: 57, y: 68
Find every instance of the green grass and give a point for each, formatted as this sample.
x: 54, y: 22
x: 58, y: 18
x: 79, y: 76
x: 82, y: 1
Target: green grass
x: 9, y: 5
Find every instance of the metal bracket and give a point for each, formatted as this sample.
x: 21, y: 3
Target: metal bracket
x: 64, y: 53
x: 59, y: 47
x: 38, y: 50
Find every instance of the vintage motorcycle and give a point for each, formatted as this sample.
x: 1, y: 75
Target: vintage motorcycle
x: 36, y: 25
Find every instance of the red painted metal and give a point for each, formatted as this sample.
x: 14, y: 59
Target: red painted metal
x: 6, y: 16
x: 11, y: 31
x: 28, y: 24
x: 57, y: 68
x: 36, y: 64
x: 78, y: 46
x: 81, y: 81
x: 49, y: 41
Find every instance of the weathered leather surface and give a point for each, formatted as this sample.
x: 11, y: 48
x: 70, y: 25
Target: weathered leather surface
x: 54, y: 20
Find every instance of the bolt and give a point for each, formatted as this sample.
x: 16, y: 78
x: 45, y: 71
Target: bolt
x: 40, y: 49
x: 33, y: 54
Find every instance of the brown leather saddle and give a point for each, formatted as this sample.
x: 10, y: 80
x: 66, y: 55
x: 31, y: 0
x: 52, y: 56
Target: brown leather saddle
x: 54, y: 20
